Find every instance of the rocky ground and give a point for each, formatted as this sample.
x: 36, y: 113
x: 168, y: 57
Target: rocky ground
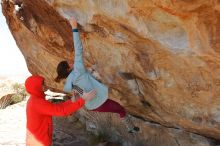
x: 69, y: 131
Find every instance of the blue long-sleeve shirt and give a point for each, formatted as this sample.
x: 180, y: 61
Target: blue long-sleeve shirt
x: 81, y: 77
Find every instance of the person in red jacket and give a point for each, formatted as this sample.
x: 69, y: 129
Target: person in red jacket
x: 39, y: 111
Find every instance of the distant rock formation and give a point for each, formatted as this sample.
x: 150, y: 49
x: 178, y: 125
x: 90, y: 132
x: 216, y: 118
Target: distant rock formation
x: 6, y: 101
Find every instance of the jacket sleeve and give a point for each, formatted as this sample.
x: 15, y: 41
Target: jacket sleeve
x: 78, y: 58
x: 61, y: 109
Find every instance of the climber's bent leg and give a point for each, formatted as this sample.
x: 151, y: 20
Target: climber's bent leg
x: 111, y: 106
x: 114, y: 107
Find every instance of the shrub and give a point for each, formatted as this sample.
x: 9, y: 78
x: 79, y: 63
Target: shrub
x: 20, y: 93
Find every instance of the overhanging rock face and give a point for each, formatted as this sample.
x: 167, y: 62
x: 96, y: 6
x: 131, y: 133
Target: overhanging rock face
x: 164, y: 51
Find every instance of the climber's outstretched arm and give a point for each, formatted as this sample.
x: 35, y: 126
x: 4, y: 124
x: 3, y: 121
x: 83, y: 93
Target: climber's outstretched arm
x: 78, y: 58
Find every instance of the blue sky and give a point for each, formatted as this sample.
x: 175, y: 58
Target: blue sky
x: 11, y: 60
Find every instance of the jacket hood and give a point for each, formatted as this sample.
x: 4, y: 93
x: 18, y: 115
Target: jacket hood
x: 34, y: 86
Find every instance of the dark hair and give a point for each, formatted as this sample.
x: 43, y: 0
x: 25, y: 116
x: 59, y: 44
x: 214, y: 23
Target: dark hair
x: 62, y: 71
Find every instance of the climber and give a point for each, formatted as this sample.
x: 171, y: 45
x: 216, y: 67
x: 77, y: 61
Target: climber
x: 39, y: 111
x: 78, y: 79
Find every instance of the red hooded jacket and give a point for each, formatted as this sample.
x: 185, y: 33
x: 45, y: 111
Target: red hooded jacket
x: 40, y: 111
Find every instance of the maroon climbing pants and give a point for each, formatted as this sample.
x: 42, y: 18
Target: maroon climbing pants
x: 111, y: 106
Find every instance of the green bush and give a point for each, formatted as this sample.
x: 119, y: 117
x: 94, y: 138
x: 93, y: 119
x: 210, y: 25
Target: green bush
x: 20, y: 93
x: 17, y: 98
